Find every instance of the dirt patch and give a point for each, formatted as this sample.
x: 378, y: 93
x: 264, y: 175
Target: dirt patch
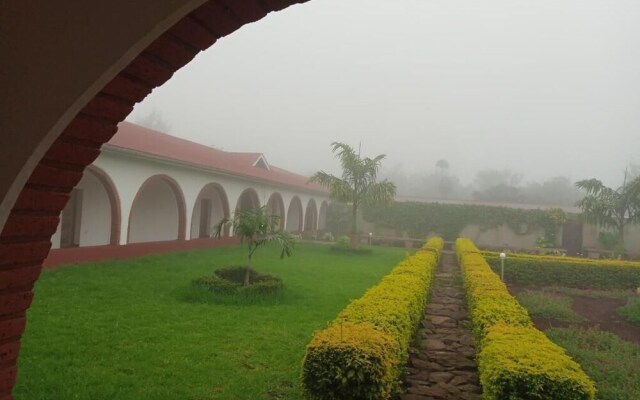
x: 601, y: 313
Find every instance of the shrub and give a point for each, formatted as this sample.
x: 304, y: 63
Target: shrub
x: 520, y: 362
x: 631, y: 311
x: 343, y: 240
x: 362, y: 353
x: 515, y: 360
x: 229, y: 281
x: 527, y: 269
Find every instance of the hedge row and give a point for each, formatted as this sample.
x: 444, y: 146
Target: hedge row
x: 527, y: 269
x: 364, y: 350
x: 515, y: 360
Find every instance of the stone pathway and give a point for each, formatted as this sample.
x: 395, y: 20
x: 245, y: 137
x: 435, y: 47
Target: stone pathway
x: 444, y: 366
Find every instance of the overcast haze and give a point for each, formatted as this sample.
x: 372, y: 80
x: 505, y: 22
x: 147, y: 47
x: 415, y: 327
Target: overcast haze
x: 543, y: 88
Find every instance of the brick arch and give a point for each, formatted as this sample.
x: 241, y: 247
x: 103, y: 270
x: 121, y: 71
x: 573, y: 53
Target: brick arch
x: 275, y: 204
x: 224, y: 205
x: 295, y: 211
x: 34, y: 216
x: 311, y: 216
x: 322, y: 215
x: 181, y: 207
x: 250, y: 195
x: 114, y: 201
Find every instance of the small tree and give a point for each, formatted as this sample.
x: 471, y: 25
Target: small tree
x: 358, y: 184
x: 609, y: 208
x: 256, y: 228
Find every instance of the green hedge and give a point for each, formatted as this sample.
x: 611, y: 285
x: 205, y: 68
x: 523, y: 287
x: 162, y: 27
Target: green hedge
x: 515, y: 360
x: 362, y: 353
x: 448, y: 220
x: 230, y: 280
x: 585, y: 273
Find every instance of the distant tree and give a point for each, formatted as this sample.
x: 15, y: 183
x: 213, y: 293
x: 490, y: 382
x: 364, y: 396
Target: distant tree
x: 358, y: 185
x: 611, y: 208
x: 496, y: 185
x: 442, y: 165
x: 154, y: 120
x: 256, y: 228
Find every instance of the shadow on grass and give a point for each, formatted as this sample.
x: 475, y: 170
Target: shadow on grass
x: 195, y: 294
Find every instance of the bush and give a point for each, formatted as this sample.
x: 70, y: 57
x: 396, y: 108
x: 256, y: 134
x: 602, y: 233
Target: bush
x: 229, y: 281
x: 585, y: 273
x: 520, y: 362
x: 362, y: 353
x: 631, y: 311
x: 343, y: 240
x: 515, y: 360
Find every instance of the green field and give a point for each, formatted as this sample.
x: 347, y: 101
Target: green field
x: 137, y: 330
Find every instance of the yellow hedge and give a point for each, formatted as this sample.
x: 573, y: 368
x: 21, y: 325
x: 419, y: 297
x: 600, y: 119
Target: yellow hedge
x: 363, y: 351
x: 516, y: 361
x: 530, y: 269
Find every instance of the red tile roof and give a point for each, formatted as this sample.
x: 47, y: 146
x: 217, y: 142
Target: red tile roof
x: 144, y: 140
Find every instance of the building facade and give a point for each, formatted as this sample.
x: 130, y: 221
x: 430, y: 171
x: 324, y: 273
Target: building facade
x: 148, y: 186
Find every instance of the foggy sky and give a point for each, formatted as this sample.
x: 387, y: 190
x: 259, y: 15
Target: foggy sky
x: 544, y: 88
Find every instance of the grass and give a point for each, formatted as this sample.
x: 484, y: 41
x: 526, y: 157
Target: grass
x: 631, y: 311
x: 612, y: 363
x: 591, y: 293
x: 139, y: 330
x: 548, y: 305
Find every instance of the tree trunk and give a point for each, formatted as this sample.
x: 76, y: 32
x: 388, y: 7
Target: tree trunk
x: 620, y: 247
x: 354, y: 226
x: 247, y: 274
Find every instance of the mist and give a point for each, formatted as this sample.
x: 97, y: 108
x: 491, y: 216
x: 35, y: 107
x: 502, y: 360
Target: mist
x: 543, y: 90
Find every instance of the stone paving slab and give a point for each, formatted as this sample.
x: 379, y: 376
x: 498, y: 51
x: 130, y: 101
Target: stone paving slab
x: 443, y: 366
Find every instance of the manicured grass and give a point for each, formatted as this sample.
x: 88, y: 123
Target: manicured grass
x: 612, y: 363
x: 139, y: 330
x: 631, y: 311
x: 548, y: 305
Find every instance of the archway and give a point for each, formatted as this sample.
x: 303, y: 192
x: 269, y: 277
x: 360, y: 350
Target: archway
x: 294, y: 216
x: 92, y: 215
x: 210, y: 207
x: 248, y: 200
x: 275, y: 206
x: 158, y: 212
x: 322, y: 216
x: 311, y: 216
x: 79, y: 96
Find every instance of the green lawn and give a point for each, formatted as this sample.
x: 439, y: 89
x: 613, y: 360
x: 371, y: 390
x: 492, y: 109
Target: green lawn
x: 612, y: 363
x: 135, y: 330
x: 548, y: 305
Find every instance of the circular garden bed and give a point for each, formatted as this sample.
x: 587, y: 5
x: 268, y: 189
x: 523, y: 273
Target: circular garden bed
x: 230, y: 281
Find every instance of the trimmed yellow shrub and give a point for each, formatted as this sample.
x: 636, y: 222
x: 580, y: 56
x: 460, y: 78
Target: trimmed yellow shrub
x: 363, y: 351
x: 585, y: 273
x: 348, y: 361
x: 516, y: 361
x: 520, y: 362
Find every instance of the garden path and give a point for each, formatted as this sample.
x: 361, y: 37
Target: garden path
x: 444, y: 367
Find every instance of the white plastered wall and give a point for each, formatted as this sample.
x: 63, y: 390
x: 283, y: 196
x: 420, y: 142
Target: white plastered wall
x: 129, y: 171
x: 95, y: 222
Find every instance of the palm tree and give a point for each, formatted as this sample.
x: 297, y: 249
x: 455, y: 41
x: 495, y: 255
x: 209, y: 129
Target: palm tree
x: 358, y: 185
x: 609, y: 208
x: 256, y: 228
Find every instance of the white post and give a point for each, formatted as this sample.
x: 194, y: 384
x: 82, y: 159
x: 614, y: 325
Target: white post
x: 502, y: 257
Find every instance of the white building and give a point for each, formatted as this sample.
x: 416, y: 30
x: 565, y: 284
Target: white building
x: 148, y: 186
